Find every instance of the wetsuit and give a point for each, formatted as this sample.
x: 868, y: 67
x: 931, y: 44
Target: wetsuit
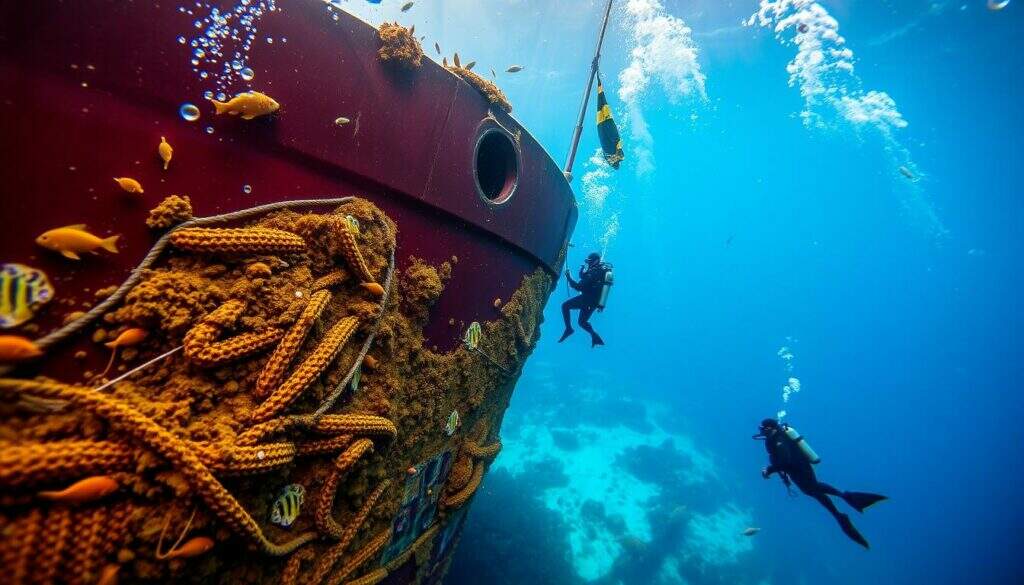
x: 789, y: 462
x: 589, y: 285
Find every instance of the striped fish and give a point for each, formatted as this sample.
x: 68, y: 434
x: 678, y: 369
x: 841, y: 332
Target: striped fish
x: 287, y: 505
x: 607, y: 131
x: 23, y: 289
x: 473, y: 335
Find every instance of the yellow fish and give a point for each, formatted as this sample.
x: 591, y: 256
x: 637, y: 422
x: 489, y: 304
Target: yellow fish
x: 15, y: 348
x: 72, y: 240
x: 23, y: 289
x: 249, y: 105
x: 128, y: 184
x: 166, y: 152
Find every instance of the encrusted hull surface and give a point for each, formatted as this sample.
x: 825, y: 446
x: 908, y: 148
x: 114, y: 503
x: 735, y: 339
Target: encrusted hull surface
x: 313, y: 413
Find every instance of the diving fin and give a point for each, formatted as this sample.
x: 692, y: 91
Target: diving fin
x: 568, y: 331
x: 850, y: 530
x: 595, y: 340
x: 861, y: 501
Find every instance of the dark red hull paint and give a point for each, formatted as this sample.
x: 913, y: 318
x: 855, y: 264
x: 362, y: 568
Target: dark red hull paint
x: 92, y: 85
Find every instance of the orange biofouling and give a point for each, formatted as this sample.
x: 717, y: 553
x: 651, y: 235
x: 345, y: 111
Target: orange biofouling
x: 86, y: 490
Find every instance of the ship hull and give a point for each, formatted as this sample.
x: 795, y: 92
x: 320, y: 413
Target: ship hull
x: 94, y: 85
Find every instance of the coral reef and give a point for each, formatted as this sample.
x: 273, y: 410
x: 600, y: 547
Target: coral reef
x: 399, y: 46
x: 487, y: 88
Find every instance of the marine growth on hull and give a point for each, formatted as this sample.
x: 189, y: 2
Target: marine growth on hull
x: 278, y: 420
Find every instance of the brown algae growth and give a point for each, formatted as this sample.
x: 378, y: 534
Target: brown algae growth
x: 399, y: 46
x: 487, y: 88
x: 198, y: 446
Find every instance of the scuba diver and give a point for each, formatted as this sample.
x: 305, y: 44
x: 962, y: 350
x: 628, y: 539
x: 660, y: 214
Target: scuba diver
x: 594, y: 284
x: 791, y: 457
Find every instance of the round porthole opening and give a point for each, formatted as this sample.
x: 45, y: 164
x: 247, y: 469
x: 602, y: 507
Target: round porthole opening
x: 496, y: 166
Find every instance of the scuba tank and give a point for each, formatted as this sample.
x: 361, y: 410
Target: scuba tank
x: 606, y: 288
x: 802, y: 443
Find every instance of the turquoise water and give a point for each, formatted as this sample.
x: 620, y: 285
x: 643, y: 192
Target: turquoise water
x: 845, y: 214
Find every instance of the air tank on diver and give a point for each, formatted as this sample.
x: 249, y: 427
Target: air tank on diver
x: 805, y: 448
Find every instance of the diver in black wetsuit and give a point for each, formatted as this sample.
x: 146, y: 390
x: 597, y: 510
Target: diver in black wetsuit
x: 591, y: 281
x: 791, y: 462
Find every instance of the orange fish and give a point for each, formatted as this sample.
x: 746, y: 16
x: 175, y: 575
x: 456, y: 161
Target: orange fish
x: 373, y: 288
x: 193, y: 548
x: 165, y: 151
x: 133, y: 336
x: 86, y: 490
x: 130, y: 185
x: 15, y: 348
x: 72, y: 240
x: 250, y: 105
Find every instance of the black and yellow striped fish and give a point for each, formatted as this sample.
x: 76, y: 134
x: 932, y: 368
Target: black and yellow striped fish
x: 607, y: 131
x: 23, y: 289
x: 287, y: 505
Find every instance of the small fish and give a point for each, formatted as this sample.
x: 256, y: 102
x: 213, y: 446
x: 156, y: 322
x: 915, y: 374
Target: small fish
x: 249, y: 105
x: 493, y: 74
x: 444, y: 61
x: 750, y: 531
x: 470, y: 65
x: 72, y: 240
x: 472, y: 337
x: 373, y: 288
x: 23, y: 290
x: 452, y: 424
x: 356, y: 377
x: 411, y: 471
x: 165, y: 151
x: 407, y: 6
x: 341, y: 121
x: 86, y: 490
x: 128, y: 184
x: 193, y: 548
x: 15, y: 348
x: 352, y: 224
x: 802, y: 27
x: 108, y: 576
x: 456, y: 60
x: 288, y: 505
x: 133, y: 336
x: 438, y: 48
x: 996, y: 5
x: 412, y: 30
x: 370, y: 362
x: 514, y: 69
x: 907, y: 173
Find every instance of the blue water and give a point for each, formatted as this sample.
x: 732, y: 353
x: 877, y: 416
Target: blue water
x: 743, y: 228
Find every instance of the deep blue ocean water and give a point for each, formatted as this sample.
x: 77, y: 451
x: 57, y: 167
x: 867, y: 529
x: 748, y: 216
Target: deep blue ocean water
x: 867, y: 221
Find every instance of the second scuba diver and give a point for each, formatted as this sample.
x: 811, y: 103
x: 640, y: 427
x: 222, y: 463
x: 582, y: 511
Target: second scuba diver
x: 791, y: 457
x: 593, y: 284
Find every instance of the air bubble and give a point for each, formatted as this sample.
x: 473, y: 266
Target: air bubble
x: 246, y: 189
x: 209, y: 129
x: 208, y: 94
x: 181, y: 40
x: 199, y: 53
x: 221, y: 96
x: 247, y: 74
x: 270, y: 40
x: 189, y: 112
